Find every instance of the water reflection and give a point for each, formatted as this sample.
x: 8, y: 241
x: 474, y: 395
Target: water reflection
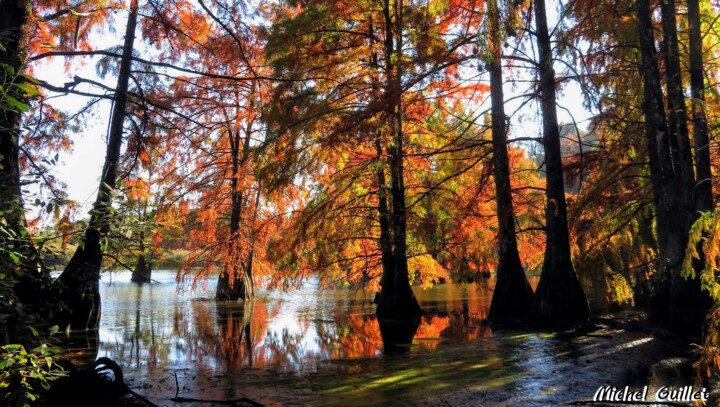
x: 155, y: 326
x: 397, y: 336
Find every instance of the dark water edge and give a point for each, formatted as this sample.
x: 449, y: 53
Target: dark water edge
x: 325, y: 347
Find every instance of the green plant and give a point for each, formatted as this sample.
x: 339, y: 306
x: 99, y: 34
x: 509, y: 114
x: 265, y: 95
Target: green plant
x: 26, y: 375
x: 705, y: 235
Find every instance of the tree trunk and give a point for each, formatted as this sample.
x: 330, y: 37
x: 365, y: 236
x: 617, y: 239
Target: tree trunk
x: 385, y: 243
x: 383, y: 214
x: 397, y: 300
x: 677, y: 303
x: 703, y: 188
x: 512, y: 297
x: 19, y: 258
x: 559, y: 299
x: 230, y: 286
x: 677, y: 114
x: 143, y: 270
x: 688, y: 303
x: 82, y: 274
x: 235, y: 280
x: 13, y: 17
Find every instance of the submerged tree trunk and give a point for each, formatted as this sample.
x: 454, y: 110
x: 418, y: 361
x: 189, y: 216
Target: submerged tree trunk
x: 397, y: 336
x: 677, y: 303
x: 143, y: 270
x: 559, y: 299
x: 82, y: 275
x: 703, y: 188
x: 143, y: 267
x: 397, y: 300
x: 512, y: 297
x: 235, y: 281
x: 230, y: 285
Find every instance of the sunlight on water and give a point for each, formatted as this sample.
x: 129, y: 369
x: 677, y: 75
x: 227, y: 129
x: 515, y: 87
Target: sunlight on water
x: 165, y: 325
x: 326, y: 345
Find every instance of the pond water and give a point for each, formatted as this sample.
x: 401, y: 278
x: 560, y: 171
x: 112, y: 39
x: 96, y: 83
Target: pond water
x: 324, y: 346
x: 162, y: 324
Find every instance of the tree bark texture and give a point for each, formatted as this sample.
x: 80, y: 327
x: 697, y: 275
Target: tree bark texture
x: 397, y: 300
x: 82, y: 275
x: 143, y: 270
x: 677, y: 113
x: 703, y: 188
x: 559, y: 298
x: 235, y: 281
x: 19, y: 258
x: 676, y: 302
x: 512, y: 296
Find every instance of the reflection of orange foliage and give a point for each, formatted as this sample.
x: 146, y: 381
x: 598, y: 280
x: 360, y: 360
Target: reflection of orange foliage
x: 361, y: 338
x: 431, y: 327
x: 241, y: 330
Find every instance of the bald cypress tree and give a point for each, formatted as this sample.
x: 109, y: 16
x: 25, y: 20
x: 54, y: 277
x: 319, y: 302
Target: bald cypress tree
x: 559, y: 298
x: 512, y: 297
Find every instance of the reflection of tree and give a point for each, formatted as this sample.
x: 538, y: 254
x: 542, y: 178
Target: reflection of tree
x: 432, y: 327
x: 141, y: 332
x: 398, y: 335
x: 287, y: 350
x: 353, y: 336
x: 295, y: 333
x: 235, y: 332
x: 230, y: 338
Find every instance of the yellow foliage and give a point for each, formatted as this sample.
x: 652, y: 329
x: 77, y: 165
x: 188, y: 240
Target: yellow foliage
x: 427, y: 270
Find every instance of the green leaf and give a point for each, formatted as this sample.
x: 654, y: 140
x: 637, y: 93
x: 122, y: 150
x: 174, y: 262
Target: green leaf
x: 14, y: 257
x: 33, y: 330
x: 30, y: 90
x: 54, y: 329
x: 16, y: 104
x: 29, y: 78
x: 8, y: 69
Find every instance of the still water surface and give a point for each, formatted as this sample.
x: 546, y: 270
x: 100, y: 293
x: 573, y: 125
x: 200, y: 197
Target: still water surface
x: 327, y: 345
x: 159, y: 325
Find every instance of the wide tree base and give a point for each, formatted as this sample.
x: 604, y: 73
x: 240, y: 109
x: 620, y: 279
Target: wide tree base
x: 397, y: 336
x: 232, y: 291
x: 559, y: 299
x: 142, y: 272
x: 398, y: 305
x: 680, y: 306
x: 80, y: 284
x: 512, y: 297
